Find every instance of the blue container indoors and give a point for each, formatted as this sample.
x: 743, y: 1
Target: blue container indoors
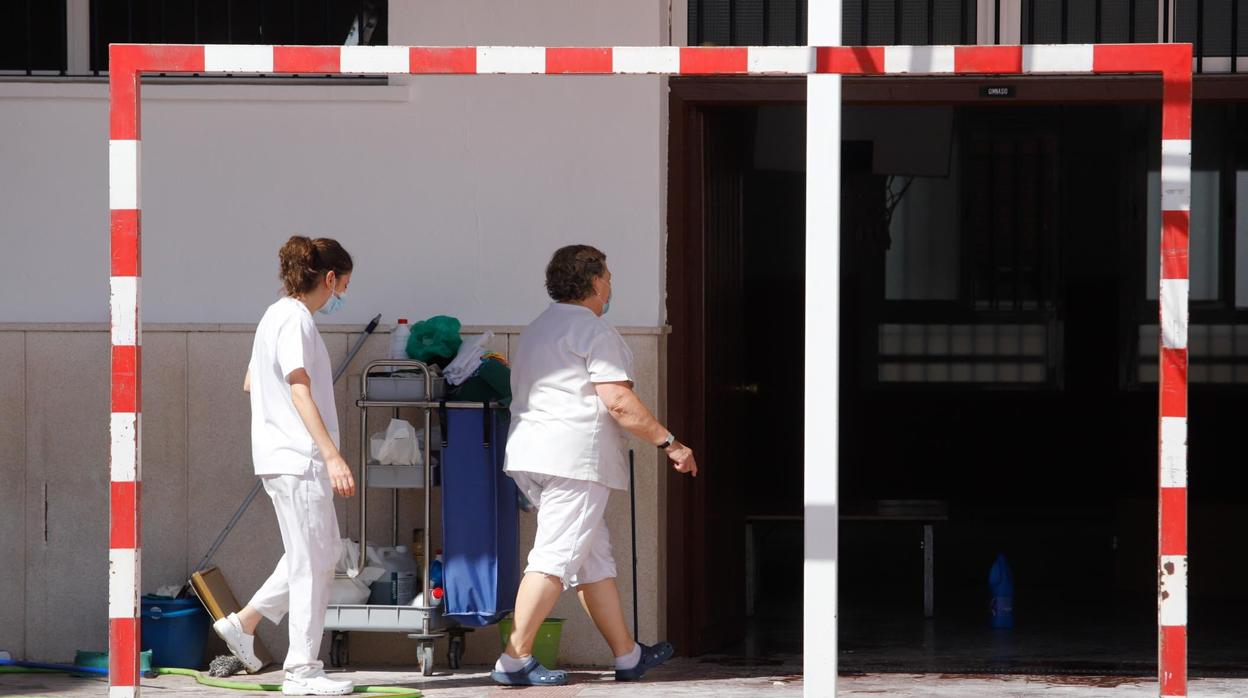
x: 1001, y: 584
x: 175, y: 630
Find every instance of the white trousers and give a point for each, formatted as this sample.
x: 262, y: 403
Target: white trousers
x: 572, y: 541
x: 301, y: 582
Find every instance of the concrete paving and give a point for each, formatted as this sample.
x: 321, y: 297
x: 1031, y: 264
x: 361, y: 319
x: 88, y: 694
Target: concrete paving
x: 681, y: 677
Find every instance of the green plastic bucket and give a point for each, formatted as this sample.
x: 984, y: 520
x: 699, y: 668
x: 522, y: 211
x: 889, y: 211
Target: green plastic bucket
x: 545, y: 646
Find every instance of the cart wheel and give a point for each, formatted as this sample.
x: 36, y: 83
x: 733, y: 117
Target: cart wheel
x: 338, y: 649
x: 455, y: 651
x: 425, y: 657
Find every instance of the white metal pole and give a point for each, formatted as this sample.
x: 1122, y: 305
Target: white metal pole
x: 822, y: 346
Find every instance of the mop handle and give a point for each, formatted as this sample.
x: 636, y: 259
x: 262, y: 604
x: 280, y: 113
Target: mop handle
x: 632, y: 501
x: 255, y: 489
x: 355, y: 348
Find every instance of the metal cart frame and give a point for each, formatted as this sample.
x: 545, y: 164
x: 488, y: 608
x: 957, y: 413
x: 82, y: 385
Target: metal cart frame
x: 425, y: 624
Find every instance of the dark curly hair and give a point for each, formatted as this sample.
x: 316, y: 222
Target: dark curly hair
x: 571, y: 272
x: 305, y: 262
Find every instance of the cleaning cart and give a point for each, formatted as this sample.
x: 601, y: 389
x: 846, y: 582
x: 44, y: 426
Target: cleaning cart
x: 479, y: 527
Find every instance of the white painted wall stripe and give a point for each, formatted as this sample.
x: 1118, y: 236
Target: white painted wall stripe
x: 1176, y: 175
x: 799, y: 60
x: 645, y: 59
x: 1174, y: 452
x: 918, y: 59
x: 511, y: 59
x: 123, y: 304
x: 1174, y: 313
x: 1070, y: 58
x: 123, y: 582
x: 123, y: 452
x: 123, y: 174
x: 379, y: 60
x: 1173, y: 590
x: 238, y: 58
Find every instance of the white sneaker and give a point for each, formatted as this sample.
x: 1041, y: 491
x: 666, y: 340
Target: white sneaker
x: 240, y: 643
x: 318, y: 684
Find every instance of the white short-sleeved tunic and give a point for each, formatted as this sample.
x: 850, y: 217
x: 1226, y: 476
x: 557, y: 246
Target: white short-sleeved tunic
x: 287, y: 339
x: 559, y: 426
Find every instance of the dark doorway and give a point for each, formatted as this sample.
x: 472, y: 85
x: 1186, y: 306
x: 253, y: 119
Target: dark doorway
x: 995, y: 376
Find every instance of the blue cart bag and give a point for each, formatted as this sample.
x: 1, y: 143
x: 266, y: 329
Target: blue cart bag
x: 480, y: 518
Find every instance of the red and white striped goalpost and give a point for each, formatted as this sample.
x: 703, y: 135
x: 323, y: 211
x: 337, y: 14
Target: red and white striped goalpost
x: 127, y: 62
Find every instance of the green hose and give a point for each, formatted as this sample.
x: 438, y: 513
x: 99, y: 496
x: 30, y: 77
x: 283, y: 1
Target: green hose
x: 204, y: 680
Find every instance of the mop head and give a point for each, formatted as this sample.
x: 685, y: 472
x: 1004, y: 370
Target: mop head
x: 225, y: 666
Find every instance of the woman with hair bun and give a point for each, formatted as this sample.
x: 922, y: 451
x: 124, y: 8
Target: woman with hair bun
x: 294, y: 447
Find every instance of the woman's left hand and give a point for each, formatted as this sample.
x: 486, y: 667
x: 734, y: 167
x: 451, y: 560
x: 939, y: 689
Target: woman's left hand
x: 682, y: 459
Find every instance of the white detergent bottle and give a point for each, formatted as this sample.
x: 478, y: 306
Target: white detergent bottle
x: 401, y: 569
x: 397, y: 586
x: 398, y: 341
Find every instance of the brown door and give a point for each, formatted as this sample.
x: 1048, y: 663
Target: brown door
x: 707, y: 513
x: 710, y: 388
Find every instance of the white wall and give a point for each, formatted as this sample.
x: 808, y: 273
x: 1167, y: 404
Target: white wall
x: 451, y: 192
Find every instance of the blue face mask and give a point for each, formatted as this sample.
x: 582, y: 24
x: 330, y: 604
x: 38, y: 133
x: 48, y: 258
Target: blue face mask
x: 334, y: 304
x: 606, y: 307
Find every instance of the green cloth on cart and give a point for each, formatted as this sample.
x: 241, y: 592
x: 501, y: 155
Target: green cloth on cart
x: 434, y: 341
x: 491, y: 383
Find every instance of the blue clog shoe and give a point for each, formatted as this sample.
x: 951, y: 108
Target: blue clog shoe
x: 533, y: 674
x: 651, y: 656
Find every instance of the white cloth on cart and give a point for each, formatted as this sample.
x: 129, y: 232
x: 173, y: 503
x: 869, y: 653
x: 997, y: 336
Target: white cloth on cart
x: 301, y: 582
x: 467, y: 360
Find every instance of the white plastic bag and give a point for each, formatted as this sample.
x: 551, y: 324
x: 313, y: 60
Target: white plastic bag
x: 355, y: 589
x: 398, y: 445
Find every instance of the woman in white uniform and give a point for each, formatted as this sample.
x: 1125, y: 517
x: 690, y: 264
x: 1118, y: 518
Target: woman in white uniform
x: 572, y: 401
x: 294, y: 444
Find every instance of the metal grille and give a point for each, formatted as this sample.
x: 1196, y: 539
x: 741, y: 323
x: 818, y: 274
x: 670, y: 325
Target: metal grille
x: 36, y: 36
x: 1088, y: 21
x: 908, y: 22
x: 747, y: 22
x: 965, y: 353
x: 1218, y: 29
x: 1218, y: 354
x: 41, y: 27
x: 296, y: 22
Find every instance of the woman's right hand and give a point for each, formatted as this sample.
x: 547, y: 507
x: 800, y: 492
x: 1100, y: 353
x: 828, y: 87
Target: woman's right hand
x: 340, y: 476
x: 682, y: 458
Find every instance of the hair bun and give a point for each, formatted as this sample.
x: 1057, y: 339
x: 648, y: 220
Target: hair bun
x: 303, y: 261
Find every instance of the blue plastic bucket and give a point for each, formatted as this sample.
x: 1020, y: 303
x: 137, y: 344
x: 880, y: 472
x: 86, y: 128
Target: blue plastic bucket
x: 175, y: 630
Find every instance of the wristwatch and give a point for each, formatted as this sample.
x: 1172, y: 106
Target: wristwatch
x: 669, y: 441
